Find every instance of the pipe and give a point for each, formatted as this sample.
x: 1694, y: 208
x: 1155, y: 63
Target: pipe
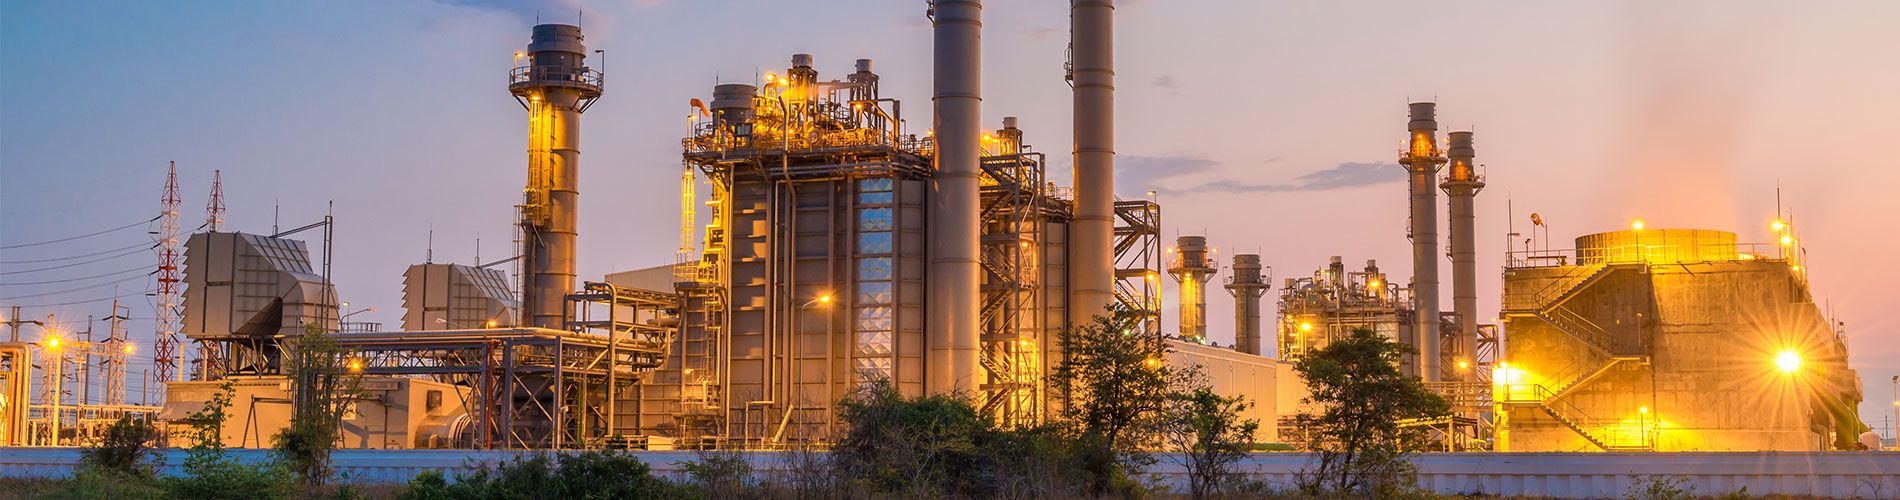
x: 1421, y: 162
x: 556, y: 87
x: 1092, y: 260
x: 1461, y: 186
x: 1247, y: 286
x: 954, y: 276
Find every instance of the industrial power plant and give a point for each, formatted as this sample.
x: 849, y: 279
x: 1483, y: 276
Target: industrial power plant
x: 827, y: 240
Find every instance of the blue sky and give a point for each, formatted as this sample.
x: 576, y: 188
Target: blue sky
x: 1268, y: 126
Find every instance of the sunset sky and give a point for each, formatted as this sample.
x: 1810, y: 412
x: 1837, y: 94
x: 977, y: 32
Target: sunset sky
x: 1269, y: 127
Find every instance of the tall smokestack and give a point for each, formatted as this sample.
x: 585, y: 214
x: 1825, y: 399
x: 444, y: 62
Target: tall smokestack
x: 554, y: 84
x: 1247, y: 285
x: 1192, y: 268
x: 1421, y: 161
x: 1092, y: 74
x: 951, y: 298
x: 1462, y: 186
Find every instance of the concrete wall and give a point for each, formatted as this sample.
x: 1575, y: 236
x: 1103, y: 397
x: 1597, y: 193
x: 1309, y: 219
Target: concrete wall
x: 1548, y: 475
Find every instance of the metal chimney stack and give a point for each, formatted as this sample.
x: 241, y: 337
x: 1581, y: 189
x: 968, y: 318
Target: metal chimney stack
x: 1092, y: 75
x: 555, y: 86
x: 1422, y: 161
x: 1247, y: 285
x: 951, y: 329
x: 1462, y: 186
x: 1192, y: 267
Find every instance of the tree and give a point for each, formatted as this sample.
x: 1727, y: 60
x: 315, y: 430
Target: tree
x: 1118, y: 387
x: 1362, y: 396
x: 323, y: 388
x: 1207, y: 430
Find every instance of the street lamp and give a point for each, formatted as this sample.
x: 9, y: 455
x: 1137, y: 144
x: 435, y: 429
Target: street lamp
x: 1788, y: 361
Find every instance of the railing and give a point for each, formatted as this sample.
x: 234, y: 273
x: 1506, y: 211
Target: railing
x: 583, y: 76
x: 1636, y: 253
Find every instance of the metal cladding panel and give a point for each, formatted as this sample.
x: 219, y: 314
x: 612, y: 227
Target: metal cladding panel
x: 233, y: 279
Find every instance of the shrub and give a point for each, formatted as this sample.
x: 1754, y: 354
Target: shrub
x: 719, y: 474
x: 584, y: 475
x: 96, y: 482
x: 210, y: 473
x: 923, y: 447
x: 123, y: 449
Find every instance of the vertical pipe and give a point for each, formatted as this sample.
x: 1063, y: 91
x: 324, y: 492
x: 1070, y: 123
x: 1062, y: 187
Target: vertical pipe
x: 556, y: 87
x: 1421, y: 161
x: 1461, y: 186
x: 1247, y: 286
x: 1091, y: 271
x: 951, y: 295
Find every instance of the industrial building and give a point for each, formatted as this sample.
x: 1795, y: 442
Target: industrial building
x: 1670, y: 340
x: 845, y: 244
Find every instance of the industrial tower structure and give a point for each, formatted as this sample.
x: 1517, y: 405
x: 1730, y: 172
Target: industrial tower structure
x: 1247, y: 284
x: 1461, y: 185
x: 167, y: 361
x: 555, y: 86
x: 1422, y: 161
x: 1192, y: 267
x: 1092, y: 76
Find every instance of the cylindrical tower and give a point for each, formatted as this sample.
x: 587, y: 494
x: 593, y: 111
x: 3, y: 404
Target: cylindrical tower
x: 1092, y: 234
x: 1422, y: 161
x: 951, y: 329
x: 1461, y: 186
x: 1247, y: 285
x: 1192, y: 268
x: 556, y: 86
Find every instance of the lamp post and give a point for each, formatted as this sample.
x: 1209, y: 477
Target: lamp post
x: 52, y: 344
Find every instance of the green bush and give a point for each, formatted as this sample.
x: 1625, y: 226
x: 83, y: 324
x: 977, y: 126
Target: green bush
x: 227, y: 478
x: 123, y: 449
x: 96, y: 482
x: 719, y: 474
x: 585, y: 475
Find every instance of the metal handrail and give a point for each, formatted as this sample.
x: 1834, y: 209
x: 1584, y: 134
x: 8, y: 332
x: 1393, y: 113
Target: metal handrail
x: 583, y: 76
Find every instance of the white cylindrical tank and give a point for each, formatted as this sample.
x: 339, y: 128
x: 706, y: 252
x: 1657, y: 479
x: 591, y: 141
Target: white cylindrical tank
x: 1092, y: 256
x: 951, y: 331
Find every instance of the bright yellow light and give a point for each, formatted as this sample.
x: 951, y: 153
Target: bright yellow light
x: 1797, y: 269
x: 1462, y: 364
x: 52, y: 343
x: 1787, y: 240
x: 1373, y: 284
x: 1306, y: 327
x: 493, y: 323
x: 824, y: 299
x: 1778, y: 225
x: 1153, y: 362
x: 1788, y: 361
x: 1643, y: 410
x: 1026, y: 343
x: 1637, y: 224
x: 519, y: 55
x: 356, y: 365
x: 770, y: 77
x: 128, y: 348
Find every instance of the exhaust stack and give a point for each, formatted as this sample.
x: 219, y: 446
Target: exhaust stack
x: 555, y: 86
x: 1247, y: 285
x: 1192, y: 268
x: 1092, y: 75
x: 1462, y: 185
x: 951, y: 330
x: 1421, y: 161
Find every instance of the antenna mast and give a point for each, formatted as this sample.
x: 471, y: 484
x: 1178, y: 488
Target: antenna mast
x: 214, y: 211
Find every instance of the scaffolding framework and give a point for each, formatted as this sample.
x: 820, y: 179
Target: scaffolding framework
x: 1018, y: 214
x: 1138, y: 260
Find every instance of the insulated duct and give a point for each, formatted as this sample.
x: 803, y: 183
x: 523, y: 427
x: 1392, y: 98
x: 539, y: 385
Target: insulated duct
x: 1092, y: 75
x: 951, y: 329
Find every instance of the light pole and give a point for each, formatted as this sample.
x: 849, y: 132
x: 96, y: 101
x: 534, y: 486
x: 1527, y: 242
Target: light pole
x: 1896, y: 412
x: 59, y: 368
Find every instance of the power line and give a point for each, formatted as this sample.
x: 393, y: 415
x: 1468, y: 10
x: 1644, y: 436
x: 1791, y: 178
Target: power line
x: 88, y: 301
x: 83, y: 278
x: 87, y: 235
x: 71, y: 257
x: 75, y: 289
x: 80, y: 263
